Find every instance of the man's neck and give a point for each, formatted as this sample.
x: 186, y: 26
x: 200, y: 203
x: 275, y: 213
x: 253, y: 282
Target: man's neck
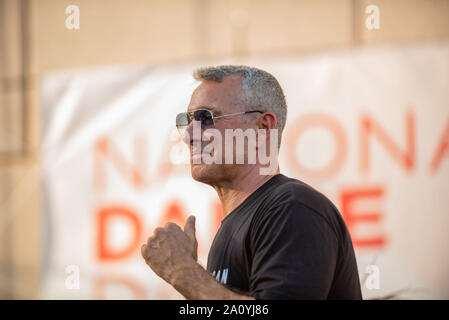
x: 234, y: 193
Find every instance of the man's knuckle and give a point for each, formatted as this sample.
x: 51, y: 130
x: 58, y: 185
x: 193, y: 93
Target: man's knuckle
x: 151, y: 240
x: 159, y: 231
x: 171, y: 225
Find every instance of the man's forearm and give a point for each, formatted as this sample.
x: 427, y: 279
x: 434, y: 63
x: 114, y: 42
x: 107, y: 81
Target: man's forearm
x: 195, y: 283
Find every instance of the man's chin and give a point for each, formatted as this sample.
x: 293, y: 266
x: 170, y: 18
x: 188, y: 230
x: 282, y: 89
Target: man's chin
x: 199, y: 172
x: 203, y: 173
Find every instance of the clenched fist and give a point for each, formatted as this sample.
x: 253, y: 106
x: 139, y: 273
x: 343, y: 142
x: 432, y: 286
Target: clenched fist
x: 170, y: 249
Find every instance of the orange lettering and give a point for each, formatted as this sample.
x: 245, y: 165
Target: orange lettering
x: 441, y: 151
x: 174, y: 213
x: 347, y: 199
x: 368, y: 126
x: 307, y: 122
x: 104, y: 216
x: 101, y: 283
x: 105, y: 149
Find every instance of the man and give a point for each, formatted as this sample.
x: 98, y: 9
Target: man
x: 279, y: 239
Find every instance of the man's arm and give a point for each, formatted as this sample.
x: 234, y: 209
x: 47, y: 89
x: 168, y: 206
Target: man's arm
x: 195, y: 283
x: 172, y: 254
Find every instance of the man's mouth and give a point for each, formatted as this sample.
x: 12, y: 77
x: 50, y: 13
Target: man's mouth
x: 197, y: 153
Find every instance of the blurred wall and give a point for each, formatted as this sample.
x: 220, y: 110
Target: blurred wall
x: 34, y: 40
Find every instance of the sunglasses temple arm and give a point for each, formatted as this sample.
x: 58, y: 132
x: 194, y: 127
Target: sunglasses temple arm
x: 230, y: 115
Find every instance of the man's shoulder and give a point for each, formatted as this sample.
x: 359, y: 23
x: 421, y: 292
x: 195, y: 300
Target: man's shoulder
x: 306, y: 202
x: 291, y: 189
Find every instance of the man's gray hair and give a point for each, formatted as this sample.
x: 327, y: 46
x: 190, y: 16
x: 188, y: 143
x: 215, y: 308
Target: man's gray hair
x: 260, y: 90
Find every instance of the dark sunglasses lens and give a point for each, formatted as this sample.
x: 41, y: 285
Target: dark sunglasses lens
x: 182, y: 119
x: 205, y: 116
x: 182, y: 122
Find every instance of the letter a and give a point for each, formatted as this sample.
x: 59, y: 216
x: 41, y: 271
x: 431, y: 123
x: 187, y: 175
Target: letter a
x: 373, y: 20
x: 73, y: 20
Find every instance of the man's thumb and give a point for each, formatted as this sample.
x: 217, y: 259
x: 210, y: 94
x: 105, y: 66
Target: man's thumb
x: 189, y: 228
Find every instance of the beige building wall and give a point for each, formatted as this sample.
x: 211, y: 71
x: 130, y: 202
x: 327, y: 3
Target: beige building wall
x: 34, y: 40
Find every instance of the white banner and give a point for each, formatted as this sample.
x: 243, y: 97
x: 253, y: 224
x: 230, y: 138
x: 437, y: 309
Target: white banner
x: 368, y: 127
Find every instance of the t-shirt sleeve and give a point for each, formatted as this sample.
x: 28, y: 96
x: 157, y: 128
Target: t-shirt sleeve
x: 294, y: 254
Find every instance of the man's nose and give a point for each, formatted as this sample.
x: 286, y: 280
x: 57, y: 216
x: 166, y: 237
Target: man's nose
x: 187, y: 136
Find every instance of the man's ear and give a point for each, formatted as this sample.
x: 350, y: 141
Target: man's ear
x: 267, y: 121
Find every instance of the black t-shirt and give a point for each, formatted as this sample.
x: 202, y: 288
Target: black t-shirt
x: 285, y: 241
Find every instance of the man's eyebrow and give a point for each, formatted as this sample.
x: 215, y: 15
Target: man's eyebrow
x: 203, y: 107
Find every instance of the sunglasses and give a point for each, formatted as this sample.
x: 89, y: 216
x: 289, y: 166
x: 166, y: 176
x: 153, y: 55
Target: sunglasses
x: 206, y: 117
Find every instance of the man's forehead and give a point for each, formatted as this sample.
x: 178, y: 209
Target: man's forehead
x: 212, y: 94
x: 201, y: 100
